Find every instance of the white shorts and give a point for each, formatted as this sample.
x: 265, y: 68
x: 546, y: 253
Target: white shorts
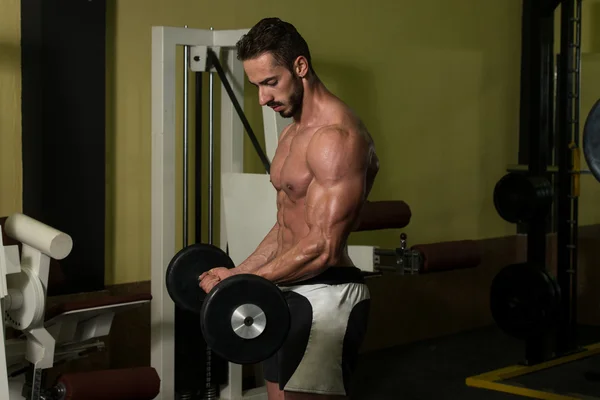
x: 329, y: 315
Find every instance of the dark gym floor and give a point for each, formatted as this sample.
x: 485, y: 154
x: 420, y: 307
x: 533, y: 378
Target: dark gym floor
x: 437, y: 369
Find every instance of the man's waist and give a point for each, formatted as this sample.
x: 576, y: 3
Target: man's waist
x: 333, y: 276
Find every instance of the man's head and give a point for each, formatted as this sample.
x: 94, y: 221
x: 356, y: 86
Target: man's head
x: 276, y: 59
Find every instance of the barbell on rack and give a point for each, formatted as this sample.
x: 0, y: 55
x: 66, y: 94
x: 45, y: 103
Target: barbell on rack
x: 525, y: 299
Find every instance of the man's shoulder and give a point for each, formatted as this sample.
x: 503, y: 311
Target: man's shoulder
x: 331, y: 134
x: 342, y: 132
x: 338, y: 139
x: 335, y: 150
x: 342, y: 119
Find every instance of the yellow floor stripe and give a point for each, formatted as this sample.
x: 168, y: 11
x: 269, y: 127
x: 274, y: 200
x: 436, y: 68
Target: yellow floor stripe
x: 520, y: 391
x: 490, y: 380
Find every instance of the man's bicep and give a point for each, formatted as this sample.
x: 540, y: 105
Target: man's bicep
x: 332, y: 206
x: 338, y: 162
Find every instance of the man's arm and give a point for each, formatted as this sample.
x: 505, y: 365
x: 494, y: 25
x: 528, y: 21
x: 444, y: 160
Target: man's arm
x: 267, y: 249
x: 264, y: 252
x: 334, y: 199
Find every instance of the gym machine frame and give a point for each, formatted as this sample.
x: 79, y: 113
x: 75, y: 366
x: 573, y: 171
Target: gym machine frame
x: 26, y: 294
x: 558, y: 345
x: 44, y: 337
x: 199, y: 45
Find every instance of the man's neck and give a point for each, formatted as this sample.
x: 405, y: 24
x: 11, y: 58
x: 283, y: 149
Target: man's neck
x: 314, y: 92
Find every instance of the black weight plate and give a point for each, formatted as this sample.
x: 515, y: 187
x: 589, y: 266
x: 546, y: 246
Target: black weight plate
x: 185, y: 268
x: 519, y: 197
x: 224, y: 299
x: 524, y: 300
x: 591, y: 140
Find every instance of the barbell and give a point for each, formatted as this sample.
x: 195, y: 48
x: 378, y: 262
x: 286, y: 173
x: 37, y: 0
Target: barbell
x: 244, y: 319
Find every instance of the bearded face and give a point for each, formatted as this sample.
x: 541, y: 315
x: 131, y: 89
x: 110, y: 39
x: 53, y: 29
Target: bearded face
x: 278, y: 87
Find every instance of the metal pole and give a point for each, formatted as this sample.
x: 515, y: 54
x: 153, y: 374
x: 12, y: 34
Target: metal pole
x: 198, y: 166
x: 565, y: 246
x: 535, y: 122
x: 186, y: 62
x: 211, y: 154
x: 210, y: 388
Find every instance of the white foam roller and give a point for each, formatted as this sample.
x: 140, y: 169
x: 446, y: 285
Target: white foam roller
x: 46, y: 239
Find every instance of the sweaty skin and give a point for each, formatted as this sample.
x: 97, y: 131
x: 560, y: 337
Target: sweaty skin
x: 321, y: 176
x: 323, y: 171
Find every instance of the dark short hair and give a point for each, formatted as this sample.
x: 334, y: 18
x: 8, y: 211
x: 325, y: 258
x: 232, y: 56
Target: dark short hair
x: 272, y: 35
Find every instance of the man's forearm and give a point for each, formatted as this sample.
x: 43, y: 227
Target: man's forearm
x: 304, y: 260
x: 264, y: 253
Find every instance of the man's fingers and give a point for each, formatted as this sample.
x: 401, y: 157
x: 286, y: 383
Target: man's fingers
x: 207, y: 286
x: 209, y: 282
x: 204, y: 285
x: 216, y: 271
x: 210, y: 272
x: 209, y: 278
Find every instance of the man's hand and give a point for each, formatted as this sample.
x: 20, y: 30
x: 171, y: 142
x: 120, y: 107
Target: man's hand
x: 209, y: 279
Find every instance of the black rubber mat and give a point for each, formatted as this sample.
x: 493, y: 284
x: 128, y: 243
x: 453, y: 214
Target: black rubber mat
x: 437, y: 369
x: 579, y: 378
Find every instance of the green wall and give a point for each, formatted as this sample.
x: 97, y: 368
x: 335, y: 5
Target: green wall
x: 10, y: 107
x: 436, y: 82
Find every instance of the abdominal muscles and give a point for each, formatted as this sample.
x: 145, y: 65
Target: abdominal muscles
x: 293, y: 227
x: 291, y: 220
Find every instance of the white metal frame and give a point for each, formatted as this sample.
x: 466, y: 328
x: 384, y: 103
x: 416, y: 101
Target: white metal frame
x: 164, y: 43
x: 23, y: 287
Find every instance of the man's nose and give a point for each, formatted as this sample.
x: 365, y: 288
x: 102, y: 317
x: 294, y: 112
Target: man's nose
x: 263, y: 97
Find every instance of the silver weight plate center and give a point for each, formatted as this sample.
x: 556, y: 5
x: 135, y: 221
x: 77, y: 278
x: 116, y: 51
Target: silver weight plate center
x: 248, y: 321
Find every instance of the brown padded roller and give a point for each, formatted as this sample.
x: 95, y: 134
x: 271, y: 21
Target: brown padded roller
x: 446, y: 256
x: 387, y: 214
x: 117, y: 384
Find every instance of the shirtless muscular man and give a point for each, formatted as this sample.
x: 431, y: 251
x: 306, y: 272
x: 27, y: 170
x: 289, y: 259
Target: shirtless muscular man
x: 323, y: 171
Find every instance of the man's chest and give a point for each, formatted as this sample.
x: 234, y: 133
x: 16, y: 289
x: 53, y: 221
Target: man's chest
x: 289, y: 169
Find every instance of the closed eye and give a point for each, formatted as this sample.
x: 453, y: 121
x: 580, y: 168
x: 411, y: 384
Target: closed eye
x: 270, y: 81
x: 267, y: 82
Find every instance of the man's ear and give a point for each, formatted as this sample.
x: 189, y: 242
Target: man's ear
x: 301, y: 66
